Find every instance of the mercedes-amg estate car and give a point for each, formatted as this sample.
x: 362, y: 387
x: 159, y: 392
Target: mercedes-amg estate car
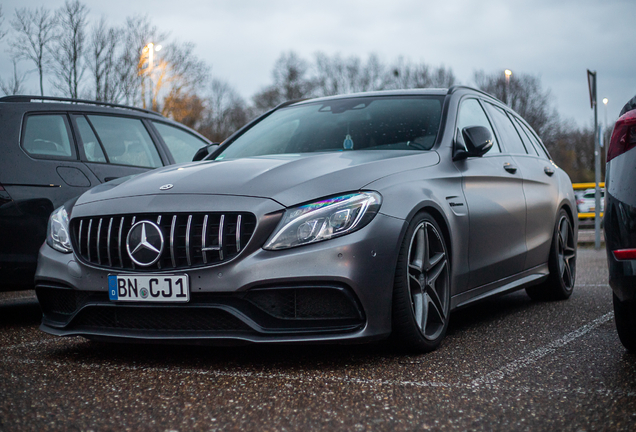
x: 340, y: 219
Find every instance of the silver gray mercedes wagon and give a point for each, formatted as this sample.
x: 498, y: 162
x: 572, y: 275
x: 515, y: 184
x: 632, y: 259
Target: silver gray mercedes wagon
x: 341, y: 219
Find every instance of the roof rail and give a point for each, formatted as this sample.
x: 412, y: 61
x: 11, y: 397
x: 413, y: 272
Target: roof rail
x: 457, y: 87
x: 26, y: 98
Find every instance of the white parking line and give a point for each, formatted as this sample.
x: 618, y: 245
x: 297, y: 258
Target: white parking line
x: 537, y: 354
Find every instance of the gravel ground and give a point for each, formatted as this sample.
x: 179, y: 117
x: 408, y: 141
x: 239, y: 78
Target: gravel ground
x: 507, y: 364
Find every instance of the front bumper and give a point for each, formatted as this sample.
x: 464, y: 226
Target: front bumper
x: 359, y: 267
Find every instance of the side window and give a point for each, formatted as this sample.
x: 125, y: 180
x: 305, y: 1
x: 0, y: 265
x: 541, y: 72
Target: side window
x: 472, y: 114
x: 181, y: 144
x: 126, y: 141
x: 535, y: 141
x: 92, y: 148
x: 48, y: 136
x: 507, y: 132
x: 524, y: 137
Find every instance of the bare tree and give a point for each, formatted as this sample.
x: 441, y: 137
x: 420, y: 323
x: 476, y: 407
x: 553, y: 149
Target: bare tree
x: 226, y: 112
x: 70, y: 46
x: 178, y: 71
x: 3, y: 33
x: 101, y: 59
x: 335, y: 75
x: 34, y: 32
x: 14, y: 85
x: 291, y: 81
x: 406, y: 75
x: 526, y: 96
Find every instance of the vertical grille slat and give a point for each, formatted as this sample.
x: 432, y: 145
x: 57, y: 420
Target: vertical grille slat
x: 238, y: 233
x: 190, y: 240
x: 110, y: 227
x: 203, y: 239
x: 88, y: 240
x: 188, y: 229
x: 99, y: 235
x: 79, y: 237
x: 221, y: 232
x: 172, y: 229
x: 121, y: 226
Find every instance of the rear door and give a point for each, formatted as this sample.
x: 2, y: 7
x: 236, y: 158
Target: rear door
x: 540, y: 185
x: 493, y: 187
x: 116, y: 146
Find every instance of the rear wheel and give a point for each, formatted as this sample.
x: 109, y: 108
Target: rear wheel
x: 421, y: 291
x: 561, y: 263
x: 625, y: 318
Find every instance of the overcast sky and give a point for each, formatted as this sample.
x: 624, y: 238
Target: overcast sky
x: 554, y: 39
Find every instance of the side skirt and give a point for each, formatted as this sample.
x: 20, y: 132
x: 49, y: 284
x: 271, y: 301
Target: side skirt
x: 527, y: 278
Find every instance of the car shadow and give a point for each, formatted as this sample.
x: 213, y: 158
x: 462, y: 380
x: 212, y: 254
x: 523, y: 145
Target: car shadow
x: 20, y: 313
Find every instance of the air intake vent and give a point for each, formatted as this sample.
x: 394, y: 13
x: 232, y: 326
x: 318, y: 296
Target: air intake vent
x: 188, y: 240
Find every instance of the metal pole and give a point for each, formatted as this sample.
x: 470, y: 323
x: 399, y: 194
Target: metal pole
x: 597, y: 174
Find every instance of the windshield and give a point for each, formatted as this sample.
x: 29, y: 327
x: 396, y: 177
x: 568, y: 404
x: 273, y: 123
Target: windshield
x: 366, y: 123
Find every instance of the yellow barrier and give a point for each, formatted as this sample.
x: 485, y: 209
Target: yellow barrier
x: 588, y: 215
x: 578, y: 186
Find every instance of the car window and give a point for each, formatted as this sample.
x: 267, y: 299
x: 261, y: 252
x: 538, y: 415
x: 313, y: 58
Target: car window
x: 182, y: 145
x: 47, y: 135
x: 126, y: 141
x: 92, y: 148
x: 352, y: 124
x: 535, y: 141
x: 529, y: 145
x: 507, y: 132
x: 472, y: 114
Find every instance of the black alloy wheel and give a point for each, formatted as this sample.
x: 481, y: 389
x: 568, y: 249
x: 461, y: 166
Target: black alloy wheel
x: 562, y: 264
x: 421, y: 297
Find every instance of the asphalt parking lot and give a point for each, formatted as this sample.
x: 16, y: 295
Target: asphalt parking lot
x: 506, y: 364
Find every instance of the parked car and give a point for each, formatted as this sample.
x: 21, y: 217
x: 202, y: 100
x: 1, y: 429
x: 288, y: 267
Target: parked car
x: 54, y: 149
x: 620, y: 225
x: 340, y: 219
x: 586, y: 203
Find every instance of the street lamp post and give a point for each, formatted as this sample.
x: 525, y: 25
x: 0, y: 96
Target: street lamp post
x: 605, y: 101
x: 150, y: 51
x: 507, y: 73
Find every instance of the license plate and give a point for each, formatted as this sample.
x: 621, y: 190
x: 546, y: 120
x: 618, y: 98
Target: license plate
x: 149, y: 288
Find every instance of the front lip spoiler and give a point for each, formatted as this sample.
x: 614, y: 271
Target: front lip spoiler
x: 189, y: 338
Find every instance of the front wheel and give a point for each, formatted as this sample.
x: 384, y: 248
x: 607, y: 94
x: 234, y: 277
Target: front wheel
x: 561, y: 263
x: 421, y: 290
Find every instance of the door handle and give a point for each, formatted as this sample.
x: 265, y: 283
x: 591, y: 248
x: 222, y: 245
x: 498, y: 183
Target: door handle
x: 107, y: 179
x: 549, y: 171
x: 510, y: 167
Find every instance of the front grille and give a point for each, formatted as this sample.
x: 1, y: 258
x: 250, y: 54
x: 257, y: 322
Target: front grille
x: 158, y: 319
x: 190, y: 240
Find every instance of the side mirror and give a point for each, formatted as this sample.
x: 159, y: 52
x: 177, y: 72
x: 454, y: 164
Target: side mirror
x: 477, y: 142
x: 204, y: 151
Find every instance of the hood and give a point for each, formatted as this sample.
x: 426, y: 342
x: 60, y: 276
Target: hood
x: 288, y: 179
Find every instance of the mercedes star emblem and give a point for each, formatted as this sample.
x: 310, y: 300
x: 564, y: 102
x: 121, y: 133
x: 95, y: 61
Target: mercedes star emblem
x: 144, y: 243
x: 166, y: 187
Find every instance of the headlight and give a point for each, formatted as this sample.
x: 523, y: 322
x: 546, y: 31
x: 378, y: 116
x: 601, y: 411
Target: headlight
x: 324, y: 220
x: 57, y: 233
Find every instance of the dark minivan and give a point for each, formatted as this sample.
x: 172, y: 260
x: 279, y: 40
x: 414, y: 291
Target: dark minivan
x: 54, y: 149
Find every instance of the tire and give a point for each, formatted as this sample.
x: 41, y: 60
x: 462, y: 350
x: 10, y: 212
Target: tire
x: 625, y: 319
x: 421, y: 289
x: 561, y: 263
